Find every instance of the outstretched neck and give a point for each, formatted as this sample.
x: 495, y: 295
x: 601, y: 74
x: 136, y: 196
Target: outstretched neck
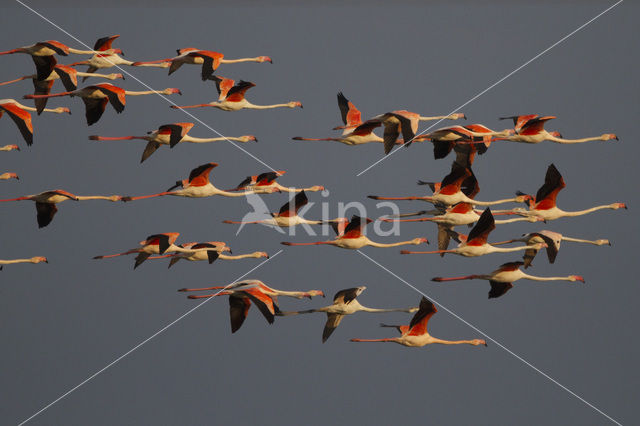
x: 235, y: 61
x: 492, y: 203
x: 561, y: 140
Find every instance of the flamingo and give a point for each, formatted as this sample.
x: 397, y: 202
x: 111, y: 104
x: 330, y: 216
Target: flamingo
x: 287, y: 216
x: 502, y: 278
x: 353, y: 239
x: 42, y: 51
x: 20, y: 115
x: 210, y: 61
x: 196, y: 186
x: 240, y: 301
x: 344, y: 303
x: 449, y: 192
x: 476, y: 243
x: 232, y: 99
x: 210, y: 256
x: 97, y: 96
x: 171, y: 134
x: 156, y: 244
x: 9, y: 148
x: 9, y: 175
x: 36, y: 259
x: 251, y: 283
x: 530, y: 129
x: 46, y: 202
x: 361, y: 134
x: 416, y: 334
x: 406, y: 122
x: 265, y: 183
x: 544, y: 203
x: 552, y: 239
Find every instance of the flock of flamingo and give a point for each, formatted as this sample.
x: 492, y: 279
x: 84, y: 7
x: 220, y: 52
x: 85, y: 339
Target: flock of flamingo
x: 453, y: 198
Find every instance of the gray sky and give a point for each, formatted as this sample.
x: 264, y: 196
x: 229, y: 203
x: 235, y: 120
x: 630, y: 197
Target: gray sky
x: 63, y: 321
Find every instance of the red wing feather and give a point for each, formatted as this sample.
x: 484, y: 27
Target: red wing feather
x: 419, y: 322
x: 22, y: 119
x: 482, y: 229
x: 104, y: 43
x: 236, y: 93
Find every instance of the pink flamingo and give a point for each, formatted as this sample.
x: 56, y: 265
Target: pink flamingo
x: 20, y: 115
x: 265, y: 183
x: 530, y: 129
x: 36, y: 259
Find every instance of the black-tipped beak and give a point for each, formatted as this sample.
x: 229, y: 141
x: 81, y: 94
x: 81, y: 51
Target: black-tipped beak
x: 485, y: 344
x: 180, y: 92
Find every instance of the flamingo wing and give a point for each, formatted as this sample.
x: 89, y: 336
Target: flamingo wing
x: 453, y: 181
x: 115, y: 95
x: 68, y: 76
x: 444, y: 237
x: 534, y: 125
x: 94, y: 108
x: 266, y: 178
x: 338, y: 227
x: 212, y: 255
x: 245, y: 182
x: 299, y: 201
x: 176, y: 133
x: 350, y: 114
x: 44, y: 66
x: 236, y: 93
x: 104, y: 43
x: 56, y: 46
x: 355, y: 227
x: 45, y: 213
x: 519, y: 121
x: 200, y: 175
x: 442, y: 148
x: 345, y: 296
x: 498, y: 289
x: 238, y: 310
x: 333, y: 321
x: 480, y: 232
x: 41, y: 88
x: 365, y: 128
x: 263, y: 302
x: 223, y: 85
x: 149, y: 149
x: 211, y: 61
x: 553, y: 184
x: 162, y: 240
x: 420, y: 321
x: 22, y: 119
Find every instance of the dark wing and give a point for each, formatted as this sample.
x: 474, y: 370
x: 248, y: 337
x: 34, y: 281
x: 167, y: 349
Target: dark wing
x: 262, y: 302
x: 44, y: 66
x: 457, y: 175
x: 236, y: 93
x: 41, y: 88
x: 162, y: 240
x: 348, y: 111
x: 94, y: 108
x: 345, y: 296
x: 116, y: 99
x: 553, y: 183
x: 356, y: 225
x: 45, y: 211
x: 442, y: 148
x: 529, y: 255
x: 22, y: 119
x: 68, y: 76
x: 244, y: 183
x: 238, y: 310
x: 333, y: 321
x: 498, y: 289
x: 483, y: 228
x: 104, y: 43
x: 419, y: 322
x: 150, y: 149
x: 469, y: 186
x: 211, y: 254
x: 390, y: 136
x: 299, y: 201
x: 175, y: 133
x: 266, y: 178
x: 200, y: 175
x: 141, y: 257
x: 443, y: 238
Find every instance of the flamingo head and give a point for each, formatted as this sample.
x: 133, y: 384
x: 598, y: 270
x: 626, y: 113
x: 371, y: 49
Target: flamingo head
x: 116, y: 76
x: 609, y: 136
x: 11, y: 175
x: 62, y: 110
x: 312, y: 293
x: 16, y: 147
x: 115, y: 198
x: 248, y: 138
x: 556, y: 134
x: 617, y: 206
x: 264, y: 59
x: 458, y: 116
x: 39, y: 259
x: 478, y: 342
x: 171, y: 91
x: 260, y: 254
x: 521, y: 197
x: 603, y: 242
x: 576, y: 278
x: 317, y: 188
x: 419, y: 241
x: 294, y: 104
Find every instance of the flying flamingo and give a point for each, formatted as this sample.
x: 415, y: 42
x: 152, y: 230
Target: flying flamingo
x: 251, y: 283
x: 530, y: 129
x: 544, y: 203
x: 46, y: 202
x: 196, y: 186
x: 234, y: 99
x: 344, y: 303
x: 9, y: 175
x: 171, y: 134
x: 42, y: 52
x: 361, y: 134
x: 287, y: 216
x: 97, y: 96
x: 9, y: 148
x: 476, y: 243
x: 265, y: 183
x: 36, y: 259
x: 156, y: 244
x: 353, y: 239
x: 210, y: 61
x: 20, y: 115
x: 450, y: 193
x: 405, y: 122
x: 210, y: 256
x: 416, y: 334
x: 502, y: 278
x: 552, y: 239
